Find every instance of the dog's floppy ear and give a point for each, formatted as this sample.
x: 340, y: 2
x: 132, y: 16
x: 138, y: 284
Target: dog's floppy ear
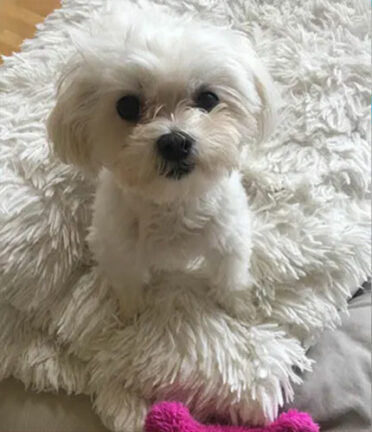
x: 68, y: 122
x: 266, y: 107
x: 267, y: 118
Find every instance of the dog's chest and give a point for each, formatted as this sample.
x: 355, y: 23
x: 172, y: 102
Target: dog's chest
x: 171, y: 236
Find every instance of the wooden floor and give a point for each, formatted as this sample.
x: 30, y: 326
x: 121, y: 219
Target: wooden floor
x: 18, y: 19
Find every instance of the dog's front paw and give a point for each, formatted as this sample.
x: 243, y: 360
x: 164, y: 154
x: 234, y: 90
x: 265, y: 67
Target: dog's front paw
x: 126, y: 314
x: 238, y: 304
x: 231, y: 286
x: 230, y: 275
x: 131, y: 304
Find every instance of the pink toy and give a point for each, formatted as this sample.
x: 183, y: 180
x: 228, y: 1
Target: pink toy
x: 174, y: 417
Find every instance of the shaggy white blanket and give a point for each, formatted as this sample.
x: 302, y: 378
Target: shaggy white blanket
x: 308, y: 191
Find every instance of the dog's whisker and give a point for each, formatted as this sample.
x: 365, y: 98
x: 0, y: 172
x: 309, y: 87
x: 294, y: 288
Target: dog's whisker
x: 157, y: 111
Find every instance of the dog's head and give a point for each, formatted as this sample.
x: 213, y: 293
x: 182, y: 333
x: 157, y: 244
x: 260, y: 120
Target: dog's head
x: 164, y: 102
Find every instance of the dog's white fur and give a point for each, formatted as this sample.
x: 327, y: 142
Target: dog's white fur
x: 143, y: 221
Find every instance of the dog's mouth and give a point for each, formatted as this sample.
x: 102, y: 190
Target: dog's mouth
x: 175, y: 171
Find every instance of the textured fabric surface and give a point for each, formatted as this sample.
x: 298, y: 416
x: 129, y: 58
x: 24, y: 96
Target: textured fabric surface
x: 308, y: 192
x: 337, y: 394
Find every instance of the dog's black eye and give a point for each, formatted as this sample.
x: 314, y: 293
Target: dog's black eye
x: 206, y: 100
x: 129, y: 108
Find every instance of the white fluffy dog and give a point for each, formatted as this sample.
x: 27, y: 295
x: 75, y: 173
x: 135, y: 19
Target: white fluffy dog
x: 163, y: 106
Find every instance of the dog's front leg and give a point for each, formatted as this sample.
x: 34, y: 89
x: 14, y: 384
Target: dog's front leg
x: 130, y: 291
x: 230, y: 281
x: 127, y: 275
x: 228, y: 271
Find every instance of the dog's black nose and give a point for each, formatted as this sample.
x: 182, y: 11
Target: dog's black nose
x: 174, y: 146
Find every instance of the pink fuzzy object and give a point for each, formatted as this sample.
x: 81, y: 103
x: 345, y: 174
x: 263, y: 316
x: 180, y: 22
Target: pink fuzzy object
x: 175, y: 417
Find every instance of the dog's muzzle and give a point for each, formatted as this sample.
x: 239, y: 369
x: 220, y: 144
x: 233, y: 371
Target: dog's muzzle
x: 175, y: 150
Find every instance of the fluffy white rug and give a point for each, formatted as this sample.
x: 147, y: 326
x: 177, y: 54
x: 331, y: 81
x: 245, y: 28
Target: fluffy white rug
x: 308, y: 190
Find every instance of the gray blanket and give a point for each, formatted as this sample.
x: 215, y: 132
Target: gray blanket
x: 338, y: 392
